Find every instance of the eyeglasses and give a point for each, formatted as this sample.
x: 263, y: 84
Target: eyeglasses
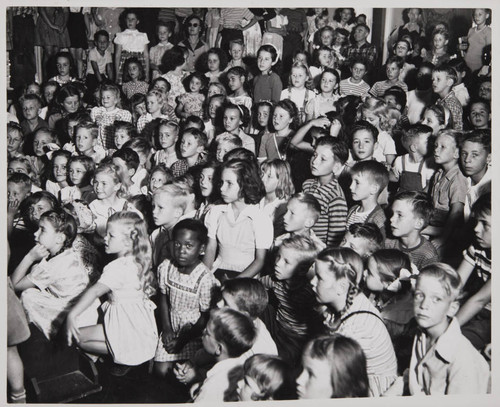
x: 193, y: 25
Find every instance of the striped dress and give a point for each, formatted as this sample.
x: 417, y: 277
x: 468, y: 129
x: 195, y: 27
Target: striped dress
x: 331, y: 225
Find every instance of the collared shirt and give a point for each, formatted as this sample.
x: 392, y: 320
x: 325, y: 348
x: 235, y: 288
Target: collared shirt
x: 449, y: 366
x: 366, y: 51
x: 475, y: 191
x: 453, y: 104
x: 193, y: 53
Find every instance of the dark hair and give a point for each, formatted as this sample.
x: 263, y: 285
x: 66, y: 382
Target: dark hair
x: 242, y: 153
x: 20, y: 178
x: 291, y: 108
x: 153, y: 83
x: 364, y: 125
x: 480, y: 136
x: 31, y: 96
x: 193, y: 122
x: 271, y: 49
x: 198, y: 135
x: 243, y: 112
x: 66, y: 91
x: 406, y: 19
x: 188, y: 20
x: 128, y: 155
x: 251, y: 187
x: 362, y: 25
x: 412, y: 132
x: 482, y: 206
x: 128, y: 62
x: 55, y: 154
x: 127, y: 126
x: 62, y: 222
x: 89, y: 165
x: 338, y: 148
x: 359, y: 60
x: 375, y: 170
x: 172, y: 58
x: 249, y: 295
x: 69, y: 57
x: 192, y: 225
x: 198, y: 75
x: 399, y: 94
x: 421, y: 204
x: 100, y: 33
x: 389, y: 264
x: 138, y: 144
x: 334, y: 73
x: 222, y: 58
x: 338, y: 12
x: 370, y: 232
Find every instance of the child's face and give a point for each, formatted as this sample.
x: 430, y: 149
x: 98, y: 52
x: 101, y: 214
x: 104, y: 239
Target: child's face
x: 286, y: 264
x: 392, y: 71
x: 77, y: 172
x: 48, y: 237
x: 445, y: 149
x: 431, y: 120
x: 213, y: 89
x: 295, y: 218
x: 17, y: 166
x: 326, y: 38
x: 223, y: 148
x: 189, y: 146
x: 236, y: 52
x: 440, y: 83
x: 270, y: 180
x: 263, y: 114
x: 109, y: 99
x: 38, y: 209
x: 403, y: 219
x: 102, y: 43
x: 40, y: 141
x: 235, y: 82
x: 432, y: 305
x: 164, y: 211
x: 479, y: 116
x: 324, y: 283
x: 134, y: 71
x: 31, y: 109
x: 140, y: 109
x: 48, y: 93
x: 359, y: 244
x: 474, y: 158
x: 345, y: 15
x: 123, y: 170
x: 84, y: 140
x: 63, y: 66
x: 401, y: 49
x: 213, y: 62
x: 213, y: 106
x: 16, y: 192
x: 363, y: 145
x: 264, y: 61
x: 482, y: 230
x: 71, y: 127
x: 247, y: 387
x: 230, y: 189
x: 315, y: 380
x: 195, y: 85
x: 152, y: 104
x: 298, y: 77
x: 232, y: 120
x: 206, y: 185
x: 485, y: 90
x: 158, y: 179
x: 167, y: 136
x: 300, y: 58
x: 281, y: 119
x: 357, y: 72
x: 59, y: 168
x: 14, y: 141
x: 372, y: 277
x: 105, y: 186
x: 480, y: 16
x: 163, y: 34
x: 439, y: 41
x: 187, y: 248
x: 328, y: 82
x: 325, y: 58
x: 121, y: 137
x: 210, y: 344
x: 161, y: 86
x: 131, y: 21
x: 116, y: 240
x: 361, y: 186
x: 323, y: 161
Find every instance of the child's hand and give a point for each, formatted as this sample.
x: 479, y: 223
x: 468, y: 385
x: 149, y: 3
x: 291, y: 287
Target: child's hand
x: 72, y: 331
x: 321, y: 122
x: 185, y: 372
x: 38, y: 252
x: 13, y: 205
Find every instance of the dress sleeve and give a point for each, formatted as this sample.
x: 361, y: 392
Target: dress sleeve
x: 119, y: 39
x: 40, y: 275
x: 163, y: 275
x: 208, y: 283
x: 212, y: 221
x: 263, y: 229
x: 112, y: 275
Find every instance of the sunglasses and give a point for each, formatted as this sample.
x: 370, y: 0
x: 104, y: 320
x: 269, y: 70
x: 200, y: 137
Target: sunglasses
x: 193, y: 25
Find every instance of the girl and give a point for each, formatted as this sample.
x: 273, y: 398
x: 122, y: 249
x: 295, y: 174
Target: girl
x: 437, y: 117
x: 344, y: 18
x: 164, y: 31
x: 275, y: 31
x: 298, y: 91
x: 131, y: 43
x: 214, y: 115
x: 266, y: 377
x: 186, y: 287
x: 216, y: 88
x: 80, y: 175
x: 237, y: 81
x: 110, y: 191
x: 23, y: 165
x: 348, y: 312
x: 191, y: 102
x: 267, y: 85
x: 323, y: 103
x: 262, y: 112
x: 235, y: 118
x: 67, y: 101
x: 477, y: 38
x: 49, y: 91
x: 65, y: 68
x: 56, y: 275
x: 239, y: 229
x: 236, y: 51
x: 154, y: 105
x: 58, y: 175
x: 123, y: 132
x: 174, y: 64
x: 137, y: 103
x: 168, y: 134
x: 439, y: 49
x: 277, y: 179
x: 160, y: 175
x: 374, y: 111
x: 334, y: 367
x: 133, y: 78
x: 323, y: 58
x: 215, y: 64
x: 208, y: 194
x: 285, y: 122
x: 128, y: 331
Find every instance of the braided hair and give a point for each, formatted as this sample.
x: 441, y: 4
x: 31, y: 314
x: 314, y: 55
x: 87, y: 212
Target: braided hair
x: 62, y: 222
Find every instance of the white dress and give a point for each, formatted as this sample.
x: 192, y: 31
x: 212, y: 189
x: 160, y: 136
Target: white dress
x: 129, y: 322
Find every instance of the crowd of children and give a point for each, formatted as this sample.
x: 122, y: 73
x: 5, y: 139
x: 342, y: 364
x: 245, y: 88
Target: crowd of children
x: 255, y: 202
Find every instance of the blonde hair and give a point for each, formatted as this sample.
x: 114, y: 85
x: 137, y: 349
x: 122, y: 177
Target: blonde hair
x: 177, y: 196
x: 113, y: 171
x: 379, y: 108
x: 309, y: 78
x: 285, y: 188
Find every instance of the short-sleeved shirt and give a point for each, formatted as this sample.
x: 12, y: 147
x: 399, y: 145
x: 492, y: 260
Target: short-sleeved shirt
x: 421, y: 255
x: 156, y: 52
x: 378, y: 89
x: 102, y: 212
x: 231, y: 17
x: 101, y: 60
x: 453, y: 104
x: 132, y: 40
x: 385, y: 146
x: 348, y: 87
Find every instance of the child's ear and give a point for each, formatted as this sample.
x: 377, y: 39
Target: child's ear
x: 337, y: 167
x: 419, y: 223
x: 202, y: 249
x: 488, y: 159
x: 456, y: 154
x: 131, y: 172
x: 60, y: 238
x: 200, y: 149
x: 94, y: 142
x: 309, y: 223
x: 342, y: 286
x: 453, y: 309
x: 413, y: 148
x: 374, y: 188
x: 178, y: 212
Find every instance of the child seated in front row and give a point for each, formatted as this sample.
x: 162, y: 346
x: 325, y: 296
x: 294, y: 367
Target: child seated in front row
x: 411, y: 212
x: 192, y: 149
x: 369, y: 179
x: 364, y: 238
x: 291, y: 318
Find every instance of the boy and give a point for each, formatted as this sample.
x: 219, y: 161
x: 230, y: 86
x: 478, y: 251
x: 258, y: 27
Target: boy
x: 475, y: 158
x: 193, y: 144
x: 364, y: 238
x: 448, y: 189
x: 474, y: 315
x: 393, y: 68
x: 355, y: 85
x: 164, y: 31
x: 443, y: 361
x: 443, y: 79
x: 291, y: 318
x: 225, y: 143
x: 127, y: 160
x: 413, y: 171
x: 100, y: 61
x: 169, y: 204
x: 369, y: 179
x: 32, y: 107
x: 86, y: 135
x: 328, y: 159
x: 15, y: 140
x: 411, y: 213
x: 395, y: 97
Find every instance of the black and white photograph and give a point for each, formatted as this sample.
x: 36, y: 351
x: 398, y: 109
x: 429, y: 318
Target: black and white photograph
x: 208, y: 205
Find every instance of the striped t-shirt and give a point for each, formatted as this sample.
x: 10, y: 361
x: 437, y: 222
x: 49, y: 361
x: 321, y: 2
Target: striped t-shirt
x: 347, y: 87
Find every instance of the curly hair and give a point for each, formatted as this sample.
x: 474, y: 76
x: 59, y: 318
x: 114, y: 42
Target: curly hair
x: 172, y: 58
x: 62, y: 222
x: 58, y: 153
x: 128, y: 62
x: 220, y: 54
x: 252, y: 189
x: 114, y: 172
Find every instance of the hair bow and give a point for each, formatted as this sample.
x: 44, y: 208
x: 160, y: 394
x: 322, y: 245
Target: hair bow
x: 395, y: 286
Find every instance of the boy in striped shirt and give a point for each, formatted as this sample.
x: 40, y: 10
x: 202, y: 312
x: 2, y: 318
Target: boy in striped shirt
x: 355, y: 85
